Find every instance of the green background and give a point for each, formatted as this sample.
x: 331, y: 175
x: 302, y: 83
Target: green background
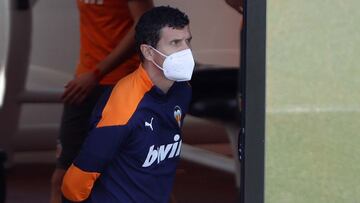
x: 313, y: 102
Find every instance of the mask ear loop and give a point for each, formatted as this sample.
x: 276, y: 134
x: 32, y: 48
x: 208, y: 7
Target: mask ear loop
x: 152, y: 60
x: 158, y: 51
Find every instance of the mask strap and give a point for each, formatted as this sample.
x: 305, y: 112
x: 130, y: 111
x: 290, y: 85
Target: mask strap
x: 158, y: 51
x: 160, y: 54
x: 157, y: 65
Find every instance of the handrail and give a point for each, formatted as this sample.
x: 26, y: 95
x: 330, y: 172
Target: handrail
x: 35, y: 96
x: 207, y: 158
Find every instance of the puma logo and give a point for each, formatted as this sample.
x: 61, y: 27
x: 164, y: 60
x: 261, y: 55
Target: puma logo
x: 149, y: 124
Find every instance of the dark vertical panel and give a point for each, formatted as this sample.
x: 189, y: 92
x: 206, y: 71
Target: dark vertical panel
x: 252, y: 92
x: 2, y: 176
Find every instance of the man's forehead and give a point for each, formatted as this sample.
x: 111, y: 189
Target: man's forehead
x: 169, y: 33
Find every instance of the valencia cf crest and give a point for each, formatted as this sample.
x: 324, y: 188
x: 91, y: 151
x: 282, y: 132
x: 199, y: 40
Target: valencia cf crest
x: 177, y: 115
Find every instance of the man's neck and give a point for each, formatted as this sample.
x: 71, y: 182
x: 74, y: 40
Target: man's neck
x: 157, y: 77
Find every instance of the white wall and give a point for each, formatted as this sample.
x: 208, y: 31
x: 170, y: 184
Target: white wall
x: 3, y: 25
x: 215, y: 28
x: 54, y: 53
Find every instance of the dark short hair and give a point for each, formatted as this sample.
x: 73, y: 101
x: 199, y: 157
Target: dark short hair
x: 147, y: 30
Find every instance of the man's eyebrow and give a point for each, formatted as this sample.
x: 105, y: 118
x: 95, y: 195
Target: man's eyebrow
x: 176, y: 40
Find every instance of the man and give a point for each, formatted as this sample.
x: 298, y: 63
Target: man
x: 107, y: 54
x: 132, y: 151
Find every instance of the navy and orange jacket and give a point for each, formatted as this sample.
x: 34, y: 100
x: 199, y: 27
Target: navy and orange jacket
x: 132, y: 151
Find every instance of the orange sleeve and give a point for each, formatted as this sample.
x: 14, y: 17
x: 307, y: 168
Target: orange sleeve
x: 125, y: 98
x: 77, y: 184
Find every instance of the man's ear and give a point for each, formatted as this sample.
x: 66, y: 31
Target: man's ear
x: 147, y: 52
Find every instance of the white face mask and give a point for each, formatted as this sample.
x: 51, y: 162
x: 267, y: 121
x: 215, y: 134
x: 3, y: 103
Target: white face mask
x: 178, y: 66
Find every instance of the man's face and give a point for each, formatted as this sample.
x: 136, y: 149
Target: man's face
x: 172, y: 40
